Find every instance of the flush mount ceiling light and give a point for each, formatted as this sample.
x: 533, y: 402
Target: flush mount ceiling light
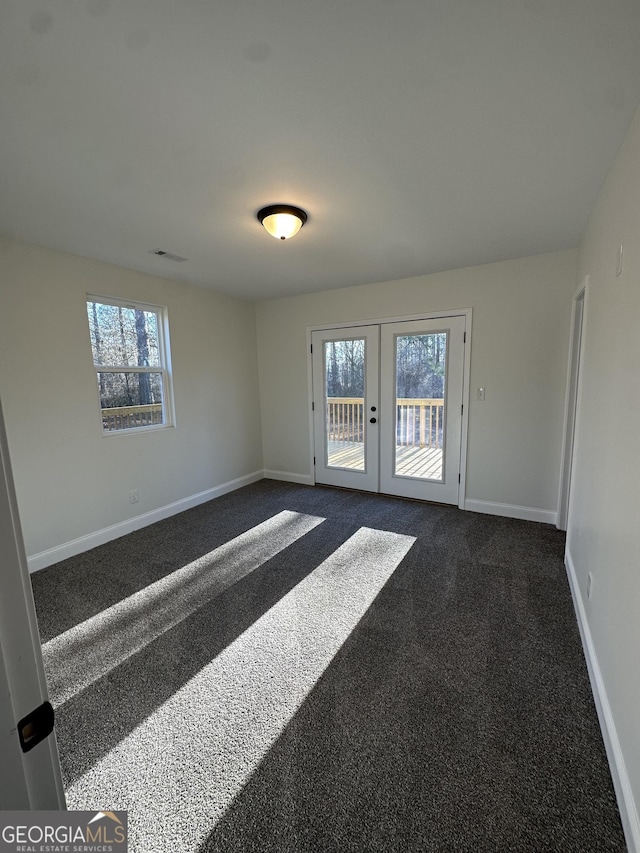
x: 282, y: 220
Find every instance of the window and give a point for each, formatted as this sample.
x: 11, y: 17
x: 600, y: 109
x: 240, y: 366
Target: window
x: 130, y: 345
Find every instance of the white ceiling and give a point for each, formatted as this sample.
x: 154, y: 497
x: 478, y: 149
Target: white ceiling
x: 420, y: 135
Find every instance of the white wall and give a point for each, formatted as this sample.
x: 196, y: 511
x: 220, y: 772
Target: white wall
x: 72, y: 481
x: 521, y: 317
x: 604, y: 515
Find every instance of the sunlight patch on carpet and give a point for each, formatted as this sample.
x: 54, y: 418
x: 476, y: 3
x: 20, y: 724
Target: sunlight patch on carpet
x: 88, y: 651
x: 181, y: 768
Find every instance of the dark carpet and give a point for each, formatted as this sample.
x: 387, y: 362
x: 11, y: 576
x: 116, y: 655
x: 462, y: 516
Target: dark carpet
x: 300, y: 669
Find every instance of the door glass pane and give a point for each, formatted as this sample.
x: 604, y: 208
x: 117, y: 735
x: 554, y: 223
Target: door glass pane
x: 344, y: 363
x: 420, y: 398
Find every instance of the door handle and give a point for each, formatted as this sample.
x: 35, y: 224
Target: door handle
x: 36, y: 726
x: 372, y: 420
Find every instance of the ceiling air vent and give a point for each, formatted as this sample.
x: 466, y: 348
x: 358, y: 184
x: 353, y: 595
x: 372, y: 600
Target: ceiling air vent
x: 168, y: 255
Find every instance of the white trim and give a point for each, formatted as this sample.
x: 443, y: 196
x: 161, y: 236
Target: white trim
x: 290, y: 477
x: 310, y: 409
x: 466, y: 392
x: 377, y: 321
x: 572, y: 394
x: 115, y: 531
x: 527, y: 513
x: 617, y: 765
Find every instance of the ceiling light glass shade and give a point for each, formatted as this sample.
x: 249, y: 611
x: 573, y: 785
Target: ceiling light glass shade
x: 282, y: 220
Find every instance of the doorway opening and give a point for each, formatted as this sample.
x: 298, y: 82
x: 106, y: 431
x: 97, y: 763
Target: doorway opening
x: 388, y: 401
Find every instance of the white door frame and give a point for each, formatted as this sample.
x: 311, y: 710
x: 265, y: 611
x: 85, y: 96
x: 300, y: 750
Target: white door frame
x: 576, y: 348
x: 28, y: 780
x: 427, y: 315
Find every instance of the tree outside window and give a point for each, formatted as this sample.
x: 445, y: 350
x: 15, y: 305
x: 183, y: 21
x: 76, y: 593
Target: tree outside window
x: 129, y: 343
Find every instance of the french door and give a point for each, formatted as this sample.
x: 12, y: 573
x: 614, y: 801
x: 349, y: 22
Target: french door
x: 388, y: 407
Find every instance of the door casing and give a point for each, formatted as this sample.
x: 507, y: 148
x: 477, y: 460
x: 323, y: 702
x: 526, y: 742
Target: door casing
x: 572, y: 401
x: 432, y: 315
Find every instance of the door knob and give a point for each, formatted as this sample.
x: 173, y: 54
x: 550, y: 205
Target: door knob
x: 372, y: 420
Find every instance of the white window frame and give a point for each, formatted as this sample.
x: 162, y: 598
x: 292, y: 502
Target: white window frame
x: 164, y: 368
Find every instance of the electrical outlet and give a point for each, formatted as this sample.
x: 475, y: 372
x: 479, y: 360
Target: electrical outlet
x: 134, y: 497
x: 589, y: 586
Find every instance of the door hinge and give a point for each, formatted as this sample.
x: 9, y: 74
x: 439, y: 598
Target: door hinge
x: 462, y: 410
x: 313, y: 406
x: 311, y: 349
x: 465, y: 338
x: 36, y: 726
x: 314, y: 460
x: 458, y: 479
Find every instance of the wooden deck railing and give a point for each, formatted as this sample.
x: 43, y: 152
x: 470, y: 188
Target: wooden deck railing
x: 419, y: 421
x: 128, y: 417
x: 345, y: 418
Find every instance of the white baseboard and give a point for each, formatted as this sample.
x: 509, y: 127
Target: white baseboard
x: 106, y: 534
x: 289, y: 477
x: 527, y: 513
x: 619, y: 775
